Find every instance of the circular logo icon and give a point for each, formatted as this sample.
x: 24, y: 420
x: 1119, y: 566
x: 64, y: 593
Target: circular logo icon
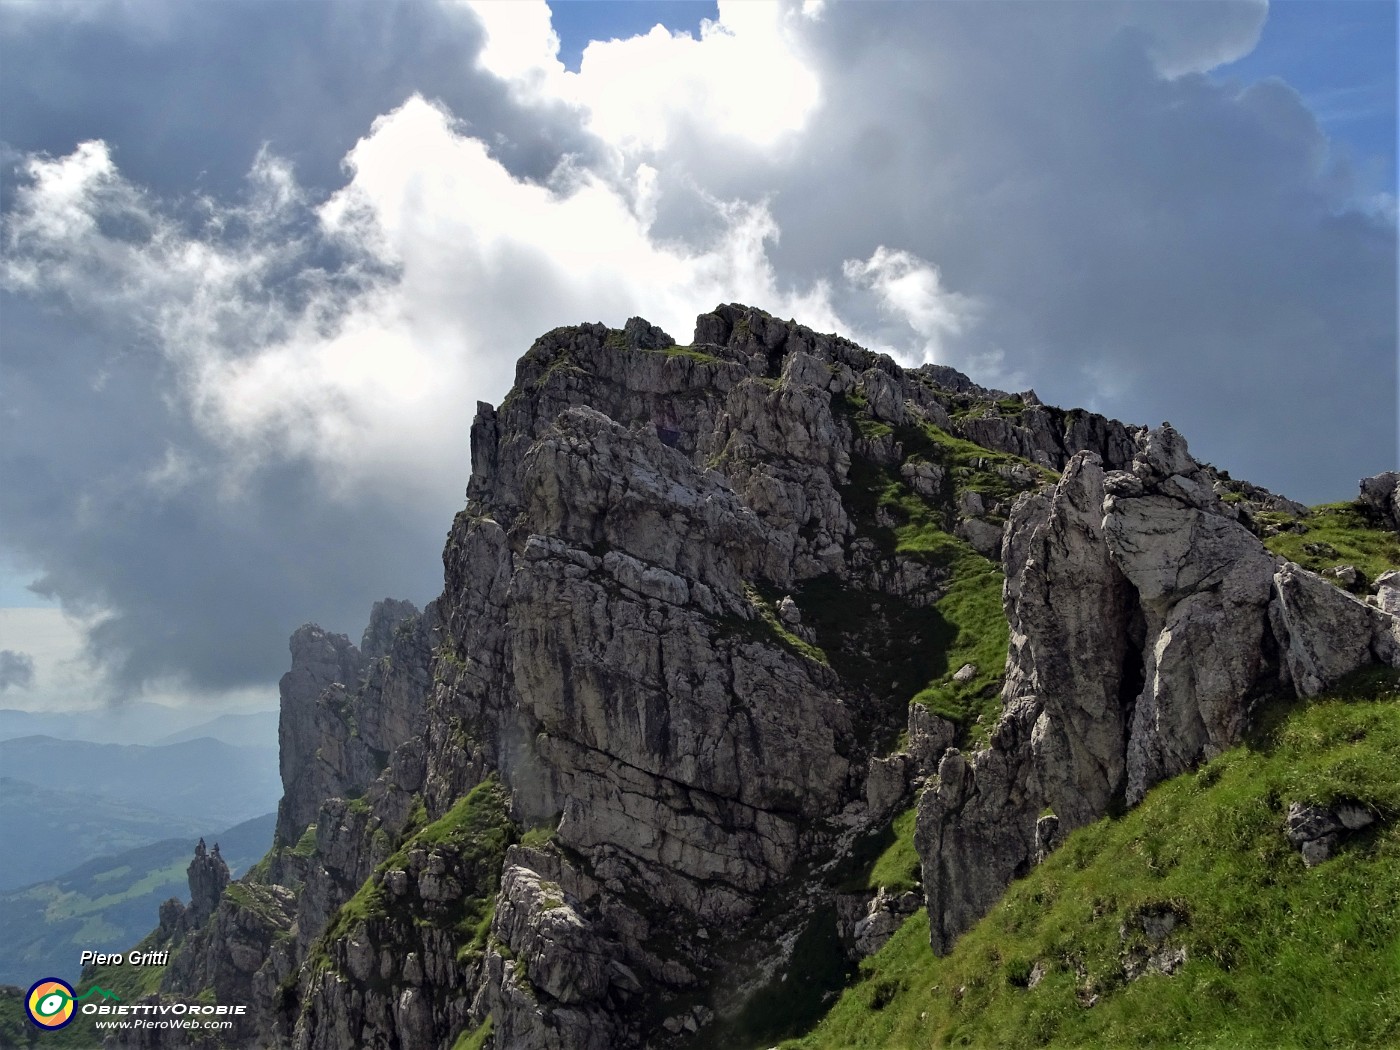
x: 50, y: 1003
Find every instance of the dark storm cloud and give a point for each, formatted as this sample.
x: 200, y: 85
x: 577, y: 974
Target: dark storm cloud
x: 1017, y: 189
x: 197, y: 583
x: 187, y: 94
x: 1160, y: 248
x: 1157, y: 247
x: 16, y: 670
x: 203, y: 575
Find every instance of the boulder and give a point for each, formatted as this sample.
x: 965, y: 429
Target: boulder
x: 1381, y: 496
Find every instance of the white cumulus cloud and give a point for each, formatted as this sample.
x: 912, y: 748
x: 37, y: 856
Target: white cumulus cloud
x: 745, y: 78
x: 1051, y: 194
x: 911, y: 289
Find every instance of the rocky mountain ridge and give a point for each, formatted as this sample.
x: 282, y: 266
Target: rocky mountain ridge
x: 624, y: 782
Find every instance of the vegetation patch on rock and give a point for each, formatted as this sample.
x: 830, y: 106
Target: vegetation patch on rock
x: 1191, y: 921
x: 1331, y: 536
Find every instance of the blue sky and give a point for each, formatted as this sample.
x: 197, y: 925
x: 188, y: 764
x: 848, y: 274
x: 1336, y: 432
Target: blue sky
x: 579, y: 21
x: 1340, y: 57
x: 260, y: 260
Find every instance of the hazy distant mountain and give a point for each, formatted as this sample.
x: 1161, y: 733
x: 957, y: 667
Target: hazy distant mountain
x: 110, y: 903
x: 47, y: 831
x: 137, y: 722
x: 258, y: 729
x: 215, y: 782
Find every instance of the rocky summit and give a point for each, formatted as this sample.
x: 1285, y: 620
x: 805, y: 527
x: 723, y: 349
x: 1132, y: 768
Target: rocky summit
x: 747, y: 651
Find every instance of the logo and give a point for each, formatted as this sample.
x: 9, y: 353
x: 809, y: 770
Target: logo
x: 50, y: 1002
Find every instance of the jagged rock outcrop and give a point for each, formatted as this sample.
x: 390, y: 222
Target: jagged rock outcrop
x: 1387, y: 592
x: 226, y: 953
x: 326, y: 665
x: 1146, y: 936
x: 555, y: 978
x: 173, y: 920
x: 1381, y: 495
x: 1146, y: 623
x: 606, y: 789
x: 224, y: 946
x: 866, y: 922
x: 208, y: 875
x: 345, y: 709
x: 404, y: 957
x: 631, y: 510
x: 622, y: 641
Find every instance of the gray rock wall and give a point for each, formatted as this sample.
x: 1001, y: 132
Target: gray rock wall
x: 656, y: 544
x: 1147, y: 623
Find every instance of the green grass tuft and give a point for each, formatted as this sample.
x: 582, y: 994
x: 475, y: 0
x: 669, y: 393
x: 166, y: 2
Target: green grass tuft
x: 474, y: 1038
x: 972, y: 622
x: 477, y: 832
x: 306, y: 845
x: 769, y: 616
x: 1278, y: 955
x: 539, y: 836
x: 897, y: 868
x: 690, y: 353
x: 972, y: 606
x: 256, y: 899
x: 1336, y: 534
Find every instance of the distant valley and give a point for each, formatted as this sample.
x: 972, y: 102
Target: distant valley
x: 140, y: 722
x: 68, y: 801
x: 102, y: 809
x: 50, y: 830
x: 109, y: 903
x: 258, y: 729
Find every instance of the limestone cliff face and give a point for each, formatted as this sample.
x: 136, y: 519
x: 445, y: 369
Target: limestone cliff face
x: 344, y: 709
x: 626, y: 592
x: 1147, y: 623
x: 621, y: 783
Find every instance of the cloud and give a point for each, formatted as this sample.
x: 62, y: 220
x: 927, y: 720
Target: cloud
x: 277, y: 379
x: 1135, y: 236
x: 225, y: 79
x: 239, y: 400
x: 191, y: 539
x: 1062, y: 197
x: 520, y: 40
x: 744, y: 79
x: 1194, y: 39
x: 911, y: 289
x: 16, y: 670
x: 340, y: 335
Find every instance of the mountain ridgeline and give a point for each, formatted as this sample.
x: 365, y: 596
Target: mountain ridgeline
x: 751, y: 653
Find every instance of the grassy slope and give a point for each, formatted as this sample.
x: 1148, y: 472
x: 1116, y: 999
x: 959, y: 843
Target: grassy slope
x: 910, y: 652
x: 971, y: 606
x: 474, y: 1038
x: 1336, y: 534
x: 1278, y: 955
x: 897, y: 868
